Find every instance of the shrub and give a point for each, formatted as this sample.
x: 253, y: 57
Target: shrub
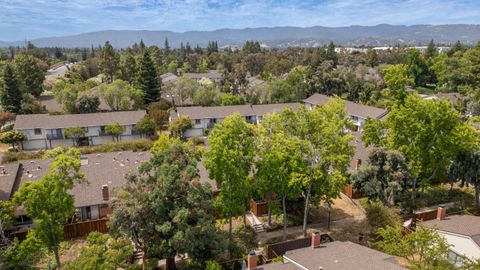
x: 380, y: 216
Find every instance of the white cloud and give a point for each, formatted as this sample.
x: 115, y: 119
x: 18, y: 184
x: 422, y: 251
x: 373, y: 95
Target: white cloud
x: 35, y: 18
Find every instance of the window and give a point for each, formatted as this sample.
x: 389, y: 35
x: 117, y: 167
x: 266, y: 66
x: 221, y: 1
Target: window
x: 197, y: 121
x: 213, y: 120
x: 85, y: 129
x: 38, y: 131
x: 88, y: 211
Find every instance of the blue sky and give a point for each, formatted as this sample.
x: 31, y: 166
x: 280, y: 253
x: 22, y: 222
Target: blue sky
x: 28, y: 19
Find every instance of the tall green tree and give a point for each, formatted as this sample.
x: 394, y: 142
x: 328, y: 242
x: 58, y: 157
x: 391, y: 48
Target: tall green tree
x: 109, y: 61
x: 165, y: 210
x: 396, y: 77
x: 229, y: 162
x: 146, y: 79
x: 466, y: 169
x: 431, y: 50
x: 280, y: 159
x: 128, y: 66
x: 10, y: 95
x: 384, y: 175
x: 418, y: 67
x: 121, y: 96
x: 429, y: 133
x: 29, y: 73
x: 48, y: 201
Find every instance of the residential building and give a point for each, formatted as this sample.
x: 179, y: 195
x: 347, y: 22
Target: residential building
x: 43, y: 131
x: 462, y: 233
x: 168, y: 77
x: 358, y: 112
x: 104, y: 172
x: 336, y: 255
x: 205, y: 118
x: 212, y: 75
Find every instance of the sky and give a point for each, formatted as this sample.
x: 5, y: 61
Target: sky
x: 30, y: 19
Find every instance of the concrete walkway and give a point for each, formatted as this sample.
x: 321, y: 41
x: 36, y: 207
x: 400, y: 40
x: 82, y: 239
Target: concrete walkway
x: 265, y: 236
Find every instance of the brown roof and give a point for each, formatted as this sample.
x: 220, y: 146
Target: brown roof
x: 202, y: 171
x: 263, y: 109
x: 453, y: 97
x: 342, y: 256
x: 102, y: 169
x: 199, y: 112
x: 52, y: 105
x: 352, y: 108
x: 361, y: 151
x: 278, y: 266
x: 46, y: 121
x: 460, y: 224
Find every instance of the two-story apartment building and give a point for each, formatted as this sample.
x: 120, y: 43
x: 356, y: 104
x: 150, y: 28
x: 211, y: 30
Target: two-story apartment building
x: 212, y: 75
x: 43, y: 131
x: 358, y: 112
x: 205, y: 118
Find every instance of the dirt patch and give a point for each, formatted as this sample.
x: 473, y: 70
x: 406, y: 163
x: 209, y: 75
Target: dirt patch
x: 342, y: 207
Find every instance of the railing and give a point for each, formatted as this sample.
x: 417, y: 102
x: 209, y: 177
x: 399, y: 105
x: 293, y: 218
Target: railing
x: 54, y: 136
x: 136, y: 132
x: 103, y: 133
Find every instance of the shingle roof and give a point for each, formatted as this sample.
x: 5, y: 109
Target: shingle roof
x: 213, y: 74
x: 351, y: 107
x: 199, y: 112
x: 278, y: 266
x: 263, y: 109
x: 361, y: 151
x: 46, y: 121
x: 460, y: 224
x: 343, y: 256
x: 102, y: 169
x: 7, y: 180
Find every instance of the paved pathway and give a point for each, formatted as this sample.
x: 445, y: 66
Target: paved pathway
x: 264, y: 236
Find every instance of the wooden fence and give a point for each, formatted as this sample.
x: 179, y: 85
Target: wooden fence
x: 74, y: 230
x: 259, y: 208
x: 279, y: 249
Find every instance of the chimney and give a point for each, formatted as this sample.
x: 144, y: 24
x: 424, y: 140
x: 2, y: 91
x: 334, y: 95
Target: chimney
x: 315, y: 239
x: 105, y: 193
x: 441, y: 212
x: 358, y: 163
x: 252, y: 261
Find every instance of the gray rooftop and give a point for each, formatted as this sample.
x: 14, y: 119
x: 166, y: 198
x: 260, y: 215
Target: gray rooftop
x: 459, y: 224
x: 352, y: 108
x: 213, y: 74
x: 46, y: 121
x: 340, y: 255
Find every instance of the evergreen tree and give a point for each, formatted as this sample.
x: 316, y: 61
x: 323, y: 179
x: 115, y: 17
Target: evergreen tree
x: 166, y: 47
x: 109, y: 60
x: 431, y: 50
x: 10, y: 96
x: 330, y: 54
x: 146, y: 79
x: 128, y: 66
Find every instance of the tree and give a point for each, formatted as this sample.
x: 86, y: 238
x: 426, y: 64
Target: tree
x: 431, y: 50
x: 7, y: 219
x: 466, y: 169
x: 87, y: 103
x: 121, y: 96
x: 180, y: 125
x: 429, y: 133
x: 424, y: 248
x: 230, y: 99
x: 418, y: 67
x: 396, y: 77
x: 371, y: 58
x: 48, y: 201
x: 128, y: 66
x: 146, y: 125
x: 12, y: 137
x: 108, y: 61
x: 10, y: 95
x: 280, y: 159
x: 146, y: 79
x: 74, y: 133
x: 165, y: 210
x: 116, y: 130
x: 102, y: 252
x: 29, y: 73
x: 383, y: 177
x: 184, y: 88
x: 229, y: 161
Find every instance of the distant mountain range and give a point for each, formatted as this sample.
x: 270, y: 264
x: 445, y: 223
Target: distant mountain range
x: 277, y: 37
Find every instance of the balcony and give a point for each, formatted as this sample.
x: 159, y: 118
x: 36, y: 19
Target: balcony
x: 54, y: 136
x: 102, y: 133
x: 136, y: 132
